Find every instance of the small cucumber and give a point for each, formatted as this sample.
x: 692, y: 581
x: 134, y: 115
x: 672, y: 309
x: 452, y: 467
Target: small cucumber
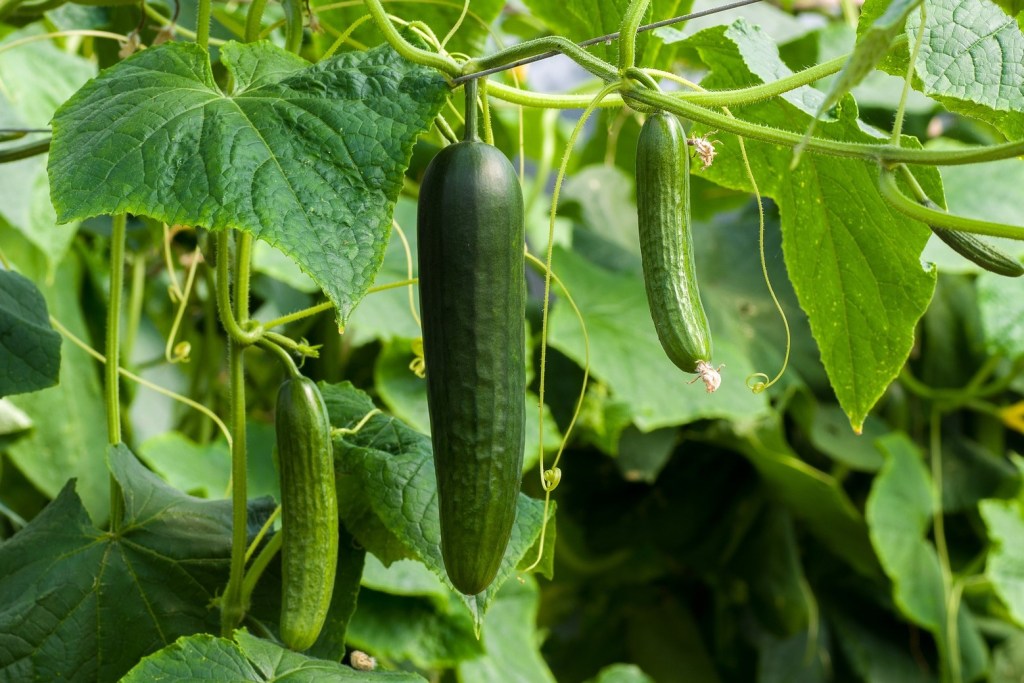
x: 309, y: 511
x: 473, y: 298
x: 977, y: 251
x: 666, y: 246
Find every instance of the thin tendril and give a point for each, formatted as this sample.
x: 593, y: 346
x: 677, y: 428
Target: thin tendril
x: 344, y: 36
x: 408, y: 272
x: 458, y: 24
x: 549, y: 478
x: 262, y: 533
x: 179, y: 354
x: 146, y: 383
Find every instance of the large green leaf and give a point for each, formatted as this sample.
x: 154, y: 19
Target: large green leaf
x: 970, y: 61
x: 625, y: 352
x: 412, y: 629
x: 28, y: 100
x: 1004, y: 520
x: 82, y: 604
x: 70, y: 434
x: 511, y: 641
x: 441, y: 17
x: 899, y: 514
x: 815, y: 498
x: 29, y: 346
x: 1002, y: 314
x: 248, y: 658
x: 386, y: 478
x: 621, y: 673
x: 855, y: 265
x: 873, y: 41
x: 308, y: 158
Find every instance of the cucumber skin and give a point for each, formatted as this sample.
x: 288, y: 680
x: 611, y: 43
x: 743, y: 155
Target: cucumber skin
x: 309, y: 511
x: 666, y: 246
x: 473, y: 296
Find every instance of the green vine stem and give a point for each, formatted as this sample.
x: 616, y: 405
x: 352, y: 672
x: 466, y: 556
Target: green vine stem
x: 136, y: 299
x: 897, y: 126
x: 471, y: 132
x: 539, y: 46
x: 227, y: 316
x: 854, y: 150
x: 254, y: 20
x: 686, y: 106
x: 293, y: 24
x: 232, y: 605
x: 403, y: 47
x: 203, y: 23
x: 627, y: 33
x: 259, y: 565
x: 940, y: 219
x: 25, y: 151
x: 113, y: 352
x: 282, y: 355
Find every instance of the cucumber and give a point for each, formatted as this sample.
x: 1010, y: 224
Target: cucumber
x: 666, y: 246
x: 472, y: 299
x: 977, y: 251
x: 309, y: 511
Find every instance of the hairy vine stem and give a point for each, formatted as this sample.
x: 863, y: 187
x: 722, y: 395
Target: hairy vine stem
x: 545, y: 54
x: 113, y: 352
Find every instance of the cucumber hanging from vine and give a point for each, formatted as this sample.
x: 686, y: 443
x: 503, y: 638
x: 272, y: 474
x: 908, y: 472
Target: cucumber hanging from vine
x: 472, y: 299
x: 666, y: 246
x: 309, y: 511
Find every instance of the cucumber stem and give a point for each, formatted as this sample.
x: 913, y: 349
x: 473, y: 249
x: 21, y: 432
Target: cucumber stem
x: 471, y: 134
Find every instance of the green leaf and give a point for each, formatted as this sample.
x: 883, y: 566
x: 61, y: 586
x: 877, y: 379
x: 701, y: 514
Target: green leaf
x: 1008, y: 660
x: 207, y: 658
x: 999, y: 202
x: 829, y: 431
x: 388, y: 315
x: 899, y: 514
x: 410, y: 629
x: 875, y: 657
x: 970, y: 61
x: 1002, y: 314
x: 769, y: 561
x: 307, y: 158
x: 74, y: 593
x: 204, y: 470
x: 13, y: 421
x: 511, y: 641
x: 74, y: 445
x: 793, y: 659
x: 815, y: 498
x: 1004, y: 520
x: 470, y: 38
x: 29, y: 346
x: 28, y: 100
x: 621, y: 673
x: 385, y: 475
x: 405, y: 577
x: 626, y: 355
x: 872, y: 44
x: 856, y: 272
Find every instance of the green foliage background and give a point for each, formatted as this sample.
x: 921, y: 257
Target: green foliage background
x: 861, y: 521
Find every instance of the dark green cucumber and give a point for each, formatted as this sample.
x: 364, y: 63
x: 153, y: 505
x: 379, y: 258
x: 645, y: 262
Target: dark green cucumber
x: 473, y: 297
x: 666, y: 246
x: 977, y: 251
x: 309, y: 511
